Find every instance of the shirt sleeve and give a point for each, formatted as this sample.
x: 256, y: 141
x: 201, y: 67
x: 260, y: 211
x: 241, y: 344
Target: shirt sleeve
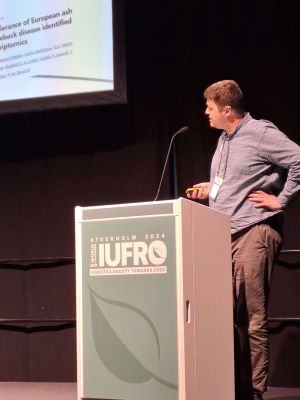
x: 278, y: 149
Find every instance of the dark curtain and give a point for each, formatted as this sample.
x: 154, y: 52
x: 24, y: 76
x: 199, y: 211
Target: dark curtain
x: 52, y: 161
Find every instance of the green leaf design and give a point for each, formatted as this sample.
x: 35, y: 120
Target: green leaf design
x: 112, y: 351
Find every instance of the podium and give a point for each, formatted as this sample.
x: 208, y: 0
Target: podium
x: 154, y: 302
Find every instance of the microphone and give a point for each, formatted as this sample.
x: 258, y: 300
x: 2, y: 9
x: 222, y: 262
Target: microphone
x: 184, y: 129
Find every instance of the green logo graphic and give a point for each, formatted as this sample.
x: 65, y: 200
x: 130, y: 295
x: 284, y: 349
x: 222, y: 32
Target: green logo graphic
x: 121, y: 362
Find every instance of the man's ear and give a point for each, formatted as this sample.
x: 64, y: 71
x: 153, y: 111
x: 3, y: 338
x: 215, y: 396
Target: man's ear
x: 227, y: 111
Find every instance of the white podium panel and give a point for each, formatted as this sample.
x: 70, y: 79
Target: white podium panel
x: 154, y: 302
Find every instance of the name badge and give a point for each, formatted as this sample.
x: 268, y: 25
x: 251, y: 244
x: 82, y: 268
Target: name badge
x: 216, y: 187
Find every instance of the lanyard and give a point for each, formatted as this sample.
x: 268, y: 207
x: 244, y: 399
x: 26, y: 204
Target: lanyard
x: 218, y: 180
x: 221, y: 156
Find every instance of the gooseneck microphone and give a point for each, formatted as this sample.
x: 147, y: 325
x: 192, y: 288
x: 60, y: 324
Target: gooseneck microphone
x: 184, y: 129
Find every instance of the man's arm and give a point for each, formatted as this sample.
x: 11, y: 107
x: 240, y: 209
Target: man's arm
x: 279, y: 150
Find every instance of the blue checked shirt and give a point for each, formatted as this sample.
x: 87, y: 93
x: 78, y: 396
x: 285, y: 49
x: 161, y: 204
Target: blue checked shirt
x: 256, y: 156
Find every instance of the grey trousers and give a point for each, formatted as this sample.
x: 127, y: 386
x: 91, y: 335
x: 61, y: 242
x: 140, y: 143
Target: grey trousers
x: 253, y: 256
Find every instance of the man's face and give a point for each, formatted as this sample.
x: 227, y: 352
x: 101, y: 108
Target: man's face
x: 216, y: 116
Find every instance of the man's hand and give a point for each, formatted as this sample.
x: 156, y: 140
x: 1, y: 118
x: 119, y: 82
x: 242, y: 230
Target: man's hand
x: 263, y: 199
x: 201, y: 191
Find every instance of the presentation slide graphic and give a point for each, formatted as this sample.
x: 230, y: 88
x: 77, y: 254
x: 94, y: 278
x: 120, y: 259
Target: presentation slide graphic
x: 55, y: 48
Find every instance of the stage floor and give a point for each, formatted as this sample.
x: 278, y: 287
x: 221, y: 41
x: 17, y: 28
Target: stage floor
x: 68, y: 391
x: 275, y: 393
x: 37, y: 391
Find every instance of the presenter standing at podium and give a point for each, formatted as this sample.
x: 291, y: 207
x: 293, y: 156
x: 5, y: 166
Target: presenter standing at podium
x: 255, y: 172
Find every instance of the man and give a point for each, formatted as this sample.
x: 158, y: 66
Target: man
x: 255, y: 172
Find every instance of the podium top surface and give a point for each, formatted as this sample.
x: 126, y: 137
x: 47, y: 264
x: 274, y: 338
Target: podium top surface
x: 153, y: 208
x: 165, y: 207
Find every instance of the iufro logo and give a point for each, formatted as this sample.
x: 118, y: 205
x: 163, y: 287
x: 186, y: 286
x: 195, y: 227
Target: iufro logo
x: 136, y: 253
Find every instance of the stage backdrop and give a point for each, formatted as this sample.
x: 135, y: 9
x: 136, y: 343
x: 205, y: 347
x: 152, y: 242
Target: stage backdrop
x: 51, y: 161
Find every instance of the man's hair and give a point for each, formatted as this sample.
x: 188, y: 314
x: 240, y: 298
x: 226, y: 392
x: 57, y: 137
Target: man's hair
x: 226, y: 93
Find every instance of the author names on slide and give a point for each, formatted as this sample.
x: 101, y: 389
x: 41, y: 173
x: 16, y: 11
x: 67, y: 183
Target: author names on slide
x: 19, y: 64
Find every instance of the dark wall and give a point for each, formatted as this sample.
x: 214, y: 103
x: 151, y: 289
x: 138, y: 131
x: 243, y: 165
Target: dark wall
x: 52, y: 161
